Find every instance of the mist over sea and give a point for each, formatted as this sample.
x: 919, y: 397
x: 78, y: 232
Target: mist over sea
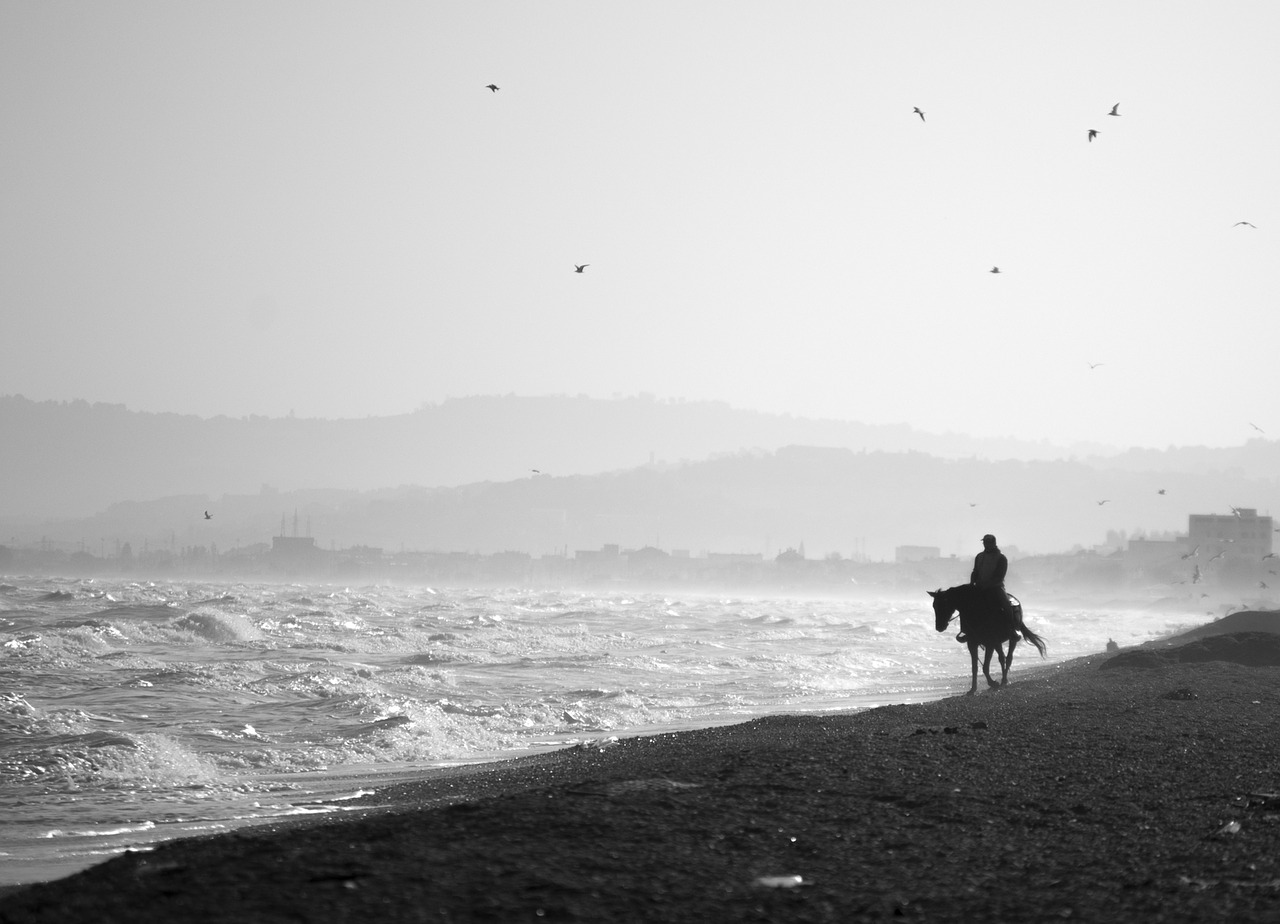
x: 133, y: 712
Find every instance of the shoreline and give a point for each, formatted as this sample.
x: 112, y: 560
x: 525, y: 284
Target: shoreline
x: 381, y: 784
x: 1142, y: 789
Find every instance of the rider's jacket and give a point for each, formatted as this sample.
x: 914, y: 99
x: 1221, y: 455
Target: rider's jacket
x: 989, y: 568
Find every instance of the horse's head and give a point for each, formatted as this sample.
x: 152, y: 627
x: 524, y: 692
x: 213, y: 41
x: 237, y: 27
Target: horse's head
x: 943, y: 609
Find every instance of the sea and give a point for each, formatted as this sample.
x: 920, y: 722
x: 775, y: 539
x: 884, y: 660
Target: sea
x: 133, y: 712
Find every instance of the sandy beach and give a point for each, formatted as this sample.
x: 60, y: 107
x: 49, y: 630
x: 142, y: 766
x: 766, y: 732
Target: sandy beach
x: 1143, y: 785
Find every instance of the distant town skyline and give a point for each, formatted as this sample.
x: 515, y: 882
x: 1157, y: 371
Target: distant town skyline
x: 264, y: 209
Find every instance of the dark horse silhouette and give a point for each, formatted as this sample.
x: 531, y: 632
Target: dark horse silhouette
x: 983, y: 623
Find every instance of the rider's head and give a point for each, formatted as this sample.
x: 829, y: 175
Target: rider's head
x: 988, y: 541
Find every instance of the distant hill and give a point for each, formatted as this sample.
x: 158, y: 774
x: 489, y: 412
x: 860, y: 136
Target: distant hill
x: 702, y: 476
x: 1257, y: 458
x: 826, y: 499
x: 65, y: 459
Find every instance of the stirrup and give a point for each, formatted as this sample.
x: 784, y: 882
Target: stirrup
x: 961, y: 637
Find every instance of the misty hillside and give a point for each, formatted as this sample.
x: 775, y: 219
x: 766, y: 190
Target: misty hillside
x: 831, y: 500
x: 74, y: 458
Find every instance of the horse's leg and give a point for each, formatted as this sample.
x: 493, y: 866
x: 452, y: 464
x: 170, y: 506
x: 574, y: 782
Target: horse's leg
x: 1000, y: 655
x: 973, y: 656
x: 1007, y: 662
x: 986, y: 665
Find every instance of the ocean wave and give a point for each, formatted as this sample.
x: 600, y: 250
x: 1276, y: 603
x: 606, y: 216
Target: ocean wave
x: 113, y: 831
x: 218, y: 627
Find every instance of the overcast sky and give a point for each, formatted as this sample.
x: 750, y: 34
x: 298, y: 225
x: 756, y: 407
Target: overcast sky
x: 264, y: 207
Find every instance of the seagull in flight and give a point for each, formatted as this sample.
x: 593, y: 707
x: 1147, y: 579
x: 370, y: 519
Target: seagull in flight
x: 1093, y: 133
x: 1101, y: 502
x: 492, y: 87
x: 1216, y: 557
x: 1160, y: 491
x: 579, y: 267
x: 1096, y: 365
x: 1259, y: 429
x: 917, y: 110
x: 994, y: 269
x: 1247, y: 223
x: 208, y: 515
x: 1115, y: 110
x: 1192, y: 554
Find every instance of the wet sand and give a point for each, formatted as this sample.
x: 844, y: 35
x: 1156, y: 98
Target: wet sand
x: 1142, y: 787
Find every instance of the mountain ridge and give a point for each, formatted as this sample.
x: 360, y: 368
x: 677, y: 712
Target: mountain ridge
x: 73, y: 458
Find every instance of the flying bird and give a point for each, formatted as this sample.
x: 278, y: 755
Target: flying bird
x: 1093, y: 133
x: 1096, y: 365
x: 579, y: 267
x: 1259, y: 429
x: 208, y: 515
x: 1247, y: 223
x: 1115, y: 110
x: 918, y: 112
x: 1216, y: 557
x: 1192, y: 554
x: 492, y: 87
x: 1160, y: 490
x: 1101, y: 502
x: 994, y: 269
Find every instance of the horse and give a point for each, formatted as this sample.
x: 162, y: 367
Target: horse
x: 983, y: 623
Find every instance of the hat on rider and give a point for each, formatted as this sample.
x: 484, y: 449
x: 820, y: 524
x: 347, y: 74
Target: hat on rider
x: 988, y: 536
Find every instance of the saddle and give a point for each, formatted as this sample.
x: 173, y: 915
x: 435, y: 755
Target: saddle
x: 1015, y: 609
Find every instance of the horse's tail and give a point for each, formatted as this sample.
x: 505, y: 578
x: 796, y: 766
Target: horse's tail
x: 1032, y: 638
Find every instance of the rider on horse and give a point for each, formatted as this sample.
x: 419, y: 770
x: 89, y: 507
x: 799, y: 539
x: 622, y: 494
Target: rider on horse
x: 989, y: 568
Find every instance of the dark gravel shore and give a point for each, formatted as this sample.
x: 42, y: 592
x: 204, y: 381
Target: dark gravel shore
x: 1140, y: 787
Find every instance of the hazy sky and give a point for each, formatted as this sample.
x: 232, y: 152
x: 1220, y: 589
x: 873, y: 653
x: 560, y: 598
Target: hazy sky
x: 263, y: 207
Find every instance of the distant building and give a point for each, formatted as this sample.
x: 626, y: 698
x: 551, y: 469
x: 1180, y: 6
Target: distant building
x: 1241, y: 533
x: 606, y: 553
x: 904, y: 554
x: 1156, y: 550
x: 734, y: 558
x: 294, y: 554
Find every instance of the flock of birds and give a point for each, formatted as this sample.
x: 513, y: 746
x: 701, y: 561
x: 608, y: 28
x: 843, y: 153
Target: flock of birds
x: 1092, y: 134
